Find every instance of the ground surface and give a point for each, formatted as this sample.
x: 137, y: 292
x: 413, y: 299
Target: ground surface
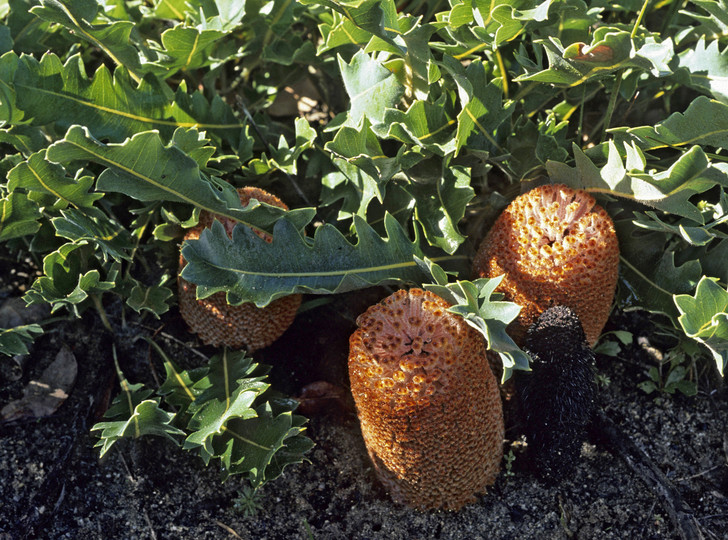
x: 54, y: 486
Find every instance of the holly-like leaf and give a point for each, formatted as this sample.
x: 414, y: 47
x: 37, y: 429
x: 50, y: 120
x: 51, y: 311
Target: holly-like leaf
x: 16, y: 340
x: 231, y: 419
x: 440, y: 206
x: 483, y: 112
x: 93, y: 227
x: 146, y: 418
x: 152, y: 299
x: 704, y: 122
x: 187, y: 48
x: 669, y: 190
x: 18, y: 216
x: 112, y: 107
x: 66, y: 282
x: 229, y: 393
x: 424, y: 124
x: 263, y: 445
x: 250, y: 269
x: 40, y: 176
x: 113, y: 38
x: 648, y: 272
x: 611, y: 49
x: 711, y: 24
x: 145, y: 169
x: 371, y: 87
x: 707, y: 68
x: 484, y: 310
x: 704, y: 318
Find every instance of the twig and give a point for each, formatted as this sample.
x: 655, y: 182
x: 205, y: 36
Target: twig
x: 605, y: 432
x: 228, y: 529
x: 696, y: 475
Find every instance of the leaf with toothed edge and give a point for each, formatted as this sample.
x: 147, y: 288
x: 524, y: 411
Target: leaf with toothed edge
x: 483, y: 309
x: 144, y: 168
x: 250, y: 269
x: 704, y: 318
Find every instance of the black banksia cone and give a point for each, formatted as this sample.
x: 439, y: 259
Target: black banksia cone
x: 558, y: 395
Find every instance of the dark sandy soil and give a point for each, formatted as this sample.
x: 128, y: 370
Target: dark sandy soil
x: 54, y: 486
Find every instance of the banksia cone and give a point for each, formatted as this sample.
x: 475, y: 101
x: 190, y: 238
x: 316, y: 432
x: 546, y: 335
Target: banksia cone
x: 558, y: 394
x: 218, y: 323
x: 556, y: 246
x: 428, y: 404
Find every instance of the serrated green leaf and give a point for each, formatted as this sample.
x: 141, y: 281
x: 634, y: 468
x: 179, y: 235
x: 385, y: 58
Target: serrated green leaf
x: 16, y: 340
x: 113, y: 38
x: 187, y: 48
x: 25, y: 139
x: 476, y: 302
x: 341, y: 31
x: 669, y: 190
x: 143, y: 168
x: 284, y: 158
x: 65, y: 282
x: 704, y: 318
x: 611, y: 49
x: 696, y: 236
x: 424, y: 124
x: 378, y: 17
x: 649, y: 276
x: 715, y: 23
x: 704, y: 122
x: 439, y: 207
x: 707, y: 68
x: 152, y: 299
x: 371, y: 87
x: 40, y: 176
x: 250, y: 269
x: 92, y: 226
x: 147, y: 418
x: 229, y: 396
x: 363, y: 170
x: 482, y: 113
x: 111, y: 107
x: 30, y: 33
x: 18, y: 216
x: 251, y: 446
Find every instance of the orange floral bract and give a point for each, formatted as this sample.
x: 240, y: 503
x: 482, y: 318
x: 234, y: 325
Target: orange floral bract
x: 245, y: 325
x: 428, y: 403
x: 555, y: 246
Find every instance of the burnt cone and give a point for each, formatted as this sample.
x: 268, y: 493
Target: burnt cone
x: 558, y: 396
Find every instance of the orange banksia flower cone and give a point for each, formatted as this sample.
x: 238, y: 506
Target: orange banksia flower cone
x: 218, y: 323
x: 556, y: 246
x: 428, y: 403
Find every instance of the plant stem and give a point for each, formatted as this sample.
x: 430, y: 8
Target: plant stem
x: 639, y: 19
x: 96, y: 299
x: 580, y: 133
x: 618, y: 80
x: 612, y: 104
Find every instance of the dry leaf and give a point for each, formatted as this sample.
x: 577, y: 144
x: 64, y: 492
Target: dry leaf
x: 44, y: 396
x: 320, y: 396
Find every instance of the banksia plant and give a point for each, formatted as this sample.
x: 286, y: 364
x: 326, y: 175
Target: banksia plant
x: 428, y: 404
x: 245, y: 325
x: 558, y: 395
x: 555, y: 246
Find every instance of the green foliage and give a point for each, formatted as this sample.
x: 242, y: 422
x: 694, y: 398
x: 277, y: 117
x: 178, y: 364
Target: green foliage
x: 223, y: 412
x: 16, y: 340
x: 416, y: 122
